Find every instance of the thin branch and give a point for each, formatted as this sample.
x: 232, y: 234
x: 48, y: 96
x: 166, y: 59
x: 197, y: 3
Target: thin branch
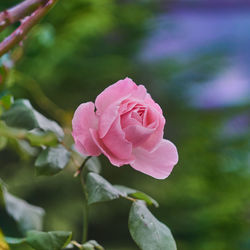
x: 19, y: 34
x: 18, y: 12
x: 46, y: 139
x: 75, y: 243
x: 129, y: 198
x: 79, y: 170
x: 85, y: 209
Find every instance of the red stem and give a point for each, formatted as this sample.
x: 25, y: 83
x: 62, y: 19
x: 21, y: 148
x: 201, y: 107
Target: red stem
x: 18, y: 12
x: 26, y: 24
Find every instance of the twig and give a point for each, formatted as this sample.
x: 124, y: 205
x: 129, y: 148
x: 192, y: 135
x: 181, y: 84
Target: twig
x: 19, y: 34
x: 18, y: 12
x: 75, y: 243
x: 129, y: 198
x: 85, y: 210
x: 79, y: 170
x: 46, y: 139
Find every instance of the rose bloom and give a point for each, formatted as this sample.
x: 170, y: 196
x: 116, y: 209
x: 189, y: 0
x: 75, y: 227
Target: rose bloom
x: 127, y: 126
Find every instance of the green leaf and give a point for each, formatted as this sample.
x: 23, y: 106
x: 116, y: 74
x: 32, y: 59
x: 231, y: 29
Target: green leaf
x: 24, y: 148
x: 147, y: 231
x: 55, y: 240
x: 125, y: 190
x: 17, y: 243
x: 27, y: 217
x: 38, y: 137
x: 52, y: 160
x: 142, y: 196
x: 92, y: 245
x: 137, y: 195
x: 23, y: 115
x: 20, y: 246
x: 99, y: 189
x: 94, y: 165
x: 11, y: 240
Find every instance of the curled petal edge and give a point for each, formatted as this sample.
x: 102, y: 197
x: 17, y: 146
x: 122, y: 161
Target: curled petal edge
x: 158, y: 163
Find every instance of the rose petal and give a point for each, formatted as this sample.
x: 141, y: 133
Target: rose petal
x: 79, y: 147
x: 113, y: 159
x: 158, y: 163
x: 126, y: 106
x: 116, y: 142
x: 107, y: 119
x: 118, y: 91
x: 86, y: 145
x: 157, y: 136
x: 152, y: 103
x: 140, y: 92
x: 128, y: 120
x: 137, y: 134
x: 150, y: 117
x: 84, y: 119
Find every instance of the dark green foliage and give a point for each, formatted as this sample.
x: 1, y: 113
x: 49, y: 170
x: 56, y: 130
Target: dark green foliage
x: 147, y: 231
x: 136, y: 194
x: 94, y: 165
x: 23, y: 115
x: 45, y: 241
x: 55, y: 240
x: 37, y: 137
x: 92, y: 245
x: 26, y: 216
x: 99, y: 189
x: 52, y: 160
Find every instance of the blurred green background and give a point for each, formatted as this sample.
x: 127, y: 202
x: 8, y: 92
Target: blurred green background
x: 193, y: 57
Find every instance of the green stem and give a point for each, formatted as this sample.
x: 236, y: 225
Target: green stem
x: 47, y: 139
x: 85, y: 202
x: 85, y: 213
x: 75, y: 243
x: 12, y: 132
x: 79, y: 170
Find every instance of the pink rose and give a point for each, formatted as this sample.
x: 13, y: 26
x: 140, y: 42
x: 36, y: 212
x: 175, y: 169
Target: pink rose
x: 127, y: 127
